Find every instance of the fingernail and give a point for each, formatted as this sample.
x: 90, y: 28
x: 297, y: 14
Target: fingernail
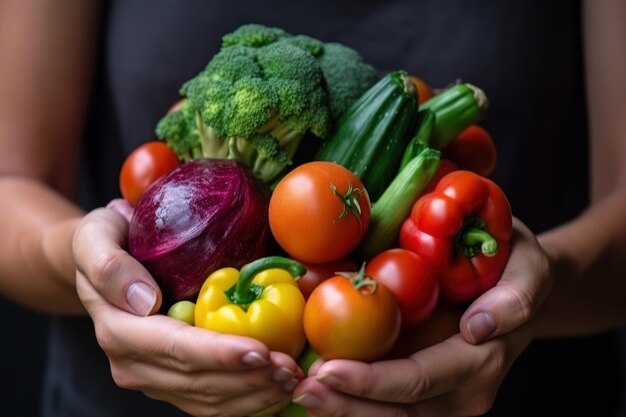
x: 480, y: 326
x: 289, y: 386
x: 307, y: 401
x: 254, y: 359
x: 121, y: 207
x: 141, y: 298
x: 330, y: 380
x: 283, y: 374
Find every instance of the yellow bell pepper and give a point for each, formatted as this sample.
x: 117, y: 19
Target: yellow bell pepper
x: 262, y: 301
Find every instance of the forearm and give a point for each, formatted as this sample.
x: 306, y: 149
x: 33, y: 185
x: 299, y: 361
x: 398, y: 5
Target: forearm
x: 589, y: 259
x: 36, y: 263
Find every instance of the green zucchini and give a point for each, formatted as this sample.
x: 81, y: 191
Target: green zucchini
x: 455, y: 109
x: 371, y: 136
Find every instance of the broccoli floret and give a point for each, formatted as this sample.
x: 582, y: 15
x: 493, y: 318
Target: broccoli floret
x: 347, y: 76
x: 254, y: 104
x: 253, y: 35
x: 180, y: 132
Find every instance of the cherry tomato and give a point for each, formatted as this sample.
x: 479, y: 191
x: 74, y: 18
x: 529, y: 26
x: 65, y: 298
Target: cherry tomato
x: 319, y: 212
x: 316, y: 273
x: 424, y: 92
x: 411, y: 279
x: 143, y: 167
x: 351, y: 317
x: 473, y: 150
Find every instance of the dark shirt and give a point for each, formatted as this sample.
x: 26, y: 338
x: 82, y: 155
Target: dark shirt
x: 526, y: 55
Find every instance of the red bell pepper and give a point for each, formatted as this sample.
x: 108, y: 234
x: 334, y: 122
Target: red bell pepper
x: 463, y: 228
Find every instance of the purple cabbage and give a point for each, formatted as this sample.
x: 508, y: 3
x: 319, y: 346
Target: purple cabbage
x: 204, y: 215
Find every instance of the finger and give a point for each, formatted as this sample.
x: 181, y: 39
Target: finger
x: 166, y: 341
x: 321, y: 401
x: 524, y: 284
x: 245, y: 405
x: 426, y: 374
x: 116, y: 275
x: 206, y: 386
x: 122, y: 207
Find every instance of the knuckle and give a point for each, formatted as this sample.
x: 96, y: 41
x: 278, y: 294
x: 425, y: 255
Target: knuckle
x: 523, y: 302
x: 417, y: 386
x: 106, y: 338
x: 123, y: 378
x: 482, y: 405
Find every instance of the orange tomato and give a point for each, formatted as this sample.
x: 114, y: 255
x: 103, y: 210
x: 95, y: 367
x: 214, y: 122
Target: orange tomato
x: 319, y: 212
x: 424, y: 92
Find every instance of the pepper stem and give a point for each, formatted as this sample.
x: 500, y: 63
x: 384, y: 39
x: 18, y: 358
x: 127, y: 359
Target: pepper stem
x: 243, y: 292
x: 473, y: 237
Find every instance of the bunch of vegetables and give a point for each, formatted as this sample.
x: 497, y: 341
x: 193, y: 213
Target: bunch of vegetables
x: 350, y: 254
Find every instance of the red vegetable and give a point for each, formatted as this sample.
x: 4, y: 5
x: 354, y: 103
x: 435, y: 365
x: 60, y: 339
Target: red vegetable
x: 143, y: 167
x: 463, y: 228
x: 204, y: 215
x: 351, y: 317
x: 411, y: 279
x: 473, y: 150
x: 317, y: 273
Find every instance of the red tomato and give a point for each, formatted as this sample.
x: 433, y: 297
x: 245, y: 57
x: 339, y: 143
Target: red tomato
x: 319, y: 212
x: 316, y: 273
x: 351, y: 318
x: 411, y: 279
x: 473, y: 150
x: 143, y: 167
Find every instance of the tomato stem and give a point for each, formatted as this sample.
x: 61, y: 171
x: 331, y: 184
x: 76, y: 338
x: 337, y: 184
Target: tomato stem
x: 360, y: 280
x: 350, y: 202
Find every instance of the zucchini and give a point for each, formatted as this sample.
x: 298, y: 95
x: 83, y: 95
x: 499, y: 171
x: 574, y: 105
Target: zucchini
x: 371, y: 136
x: 455, y: 109
x: 420, y: 141
x: 394, y: 206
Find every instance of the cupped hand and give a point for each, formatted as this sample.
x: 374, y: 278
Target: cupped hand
x: 458, y: 377
x: 199, y: 371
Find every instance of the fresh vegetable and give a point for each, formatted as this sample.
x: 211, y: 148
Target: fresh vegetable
x: 316, y: 273
x: 183, y: 311
x: 351, y: 316
x: 345, y: 73
x: 202, y: 216
x: 419, y: 142
x: 260, y: 94
x: 262, y: 302
x: 455, y: 109
x: 473, y: 150
x: 319, y: 212
x: 463, y: 228
x: 411, y: 279
x: 445, y: 167
x: 424, y: 91
x: 370, y: 137
x: 142, y: 167
x: 395, y: 204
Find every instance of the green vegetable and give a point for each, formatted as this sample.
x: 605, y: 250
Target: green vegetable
x: 455, y: 109
x: 347, y: 75
x: 371, y: 136
x: 421, y: 139
x: 394, y: 206
x: 259, y: 95
x: 183, y: 310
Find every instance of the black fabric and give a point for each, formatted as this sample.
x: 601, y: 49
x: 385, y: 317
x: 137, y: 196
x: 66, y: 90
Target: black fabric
x: 525, y: 55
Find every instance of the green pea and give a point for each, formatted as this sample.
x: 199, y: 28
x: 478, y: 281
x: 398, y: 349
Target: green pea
x: 183, y: 310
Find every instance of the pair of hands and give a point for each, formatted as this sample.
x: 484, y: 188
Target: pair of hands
x: 205, y: 373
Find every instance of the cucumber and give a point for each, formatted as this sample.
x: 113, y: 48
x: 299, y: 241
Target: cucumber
x: 455, y: 109
x: 371, y: 136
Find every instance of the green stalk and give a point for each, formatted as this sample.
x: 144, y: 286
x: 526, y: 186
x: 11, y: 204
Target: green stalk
x: 455, y: 109
x: 394, y: 205
x: 420, y: 141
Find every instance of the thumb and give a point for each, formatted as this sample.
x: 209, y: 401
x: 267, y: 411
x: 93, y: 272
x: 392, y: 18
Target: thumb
x: 525, y: 282
x: 118, y: 277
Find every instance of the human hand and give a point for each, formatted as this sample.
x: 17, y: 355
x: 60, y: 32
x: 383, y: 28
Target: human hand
x: 199, y: 371
x: 458, y: 377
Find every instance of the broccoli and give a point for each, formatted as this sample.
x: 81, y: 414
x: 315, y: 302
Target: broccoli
x: 260, y: 94
x: 347, y: 75
x: 252, y: 104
